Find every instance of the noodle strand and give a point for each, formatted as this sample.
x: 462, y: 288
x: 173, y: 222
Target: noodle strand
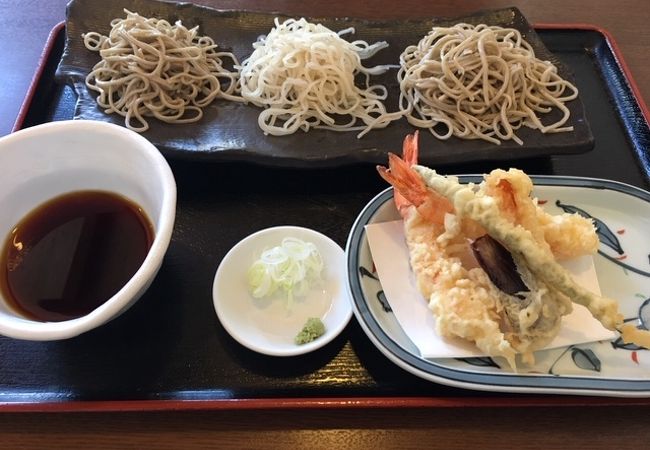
x: 151, y: 68
x: 480, y: 82
x: 303, y: 74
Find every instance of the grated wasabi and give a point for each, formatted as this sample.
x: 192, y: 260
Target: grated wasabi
x: 313, y: 329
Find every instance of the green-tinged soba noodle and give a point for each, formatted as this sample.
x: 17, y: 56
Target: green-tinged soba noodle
x: 480, y: 82
x: 151, y: 68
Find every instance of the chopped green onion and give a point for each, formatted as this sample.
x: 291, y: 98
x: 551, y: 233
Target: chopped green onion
x: 290, y: 268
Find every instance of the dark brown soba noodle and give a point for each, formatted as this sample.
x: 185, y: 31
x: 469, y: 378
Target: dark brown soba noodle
x: 151, y: 68
x: 480, y: 82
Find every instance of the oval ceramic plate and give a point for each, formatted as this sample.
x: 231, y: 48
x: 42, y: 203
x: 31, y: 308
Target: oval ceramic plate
x: 269, y: 325
x: 622, y: 215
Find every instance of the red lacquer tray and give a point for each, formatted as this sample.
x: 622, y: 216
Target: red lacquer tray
x: 170, y: 352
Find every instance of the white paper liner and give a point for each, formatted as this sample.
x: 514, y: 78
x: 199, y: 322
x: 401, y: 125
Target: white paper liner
x: 391, y: 259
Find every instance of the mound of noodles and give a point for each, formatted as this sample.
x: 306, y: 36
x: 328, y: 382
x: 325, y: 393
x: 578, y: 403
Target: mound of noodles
x: 480, y: 82
x: 303, y: 74
x: 150, y: 68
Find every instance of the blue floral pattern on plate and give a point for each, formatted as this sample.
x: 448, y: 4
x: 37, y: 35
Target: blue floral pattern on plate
x: 621, y: 214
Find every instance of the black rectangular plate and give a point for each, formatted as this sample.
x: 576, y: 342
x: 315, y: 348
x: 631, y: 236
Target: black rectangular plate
x: 170, y: 345
x: 229, y: 130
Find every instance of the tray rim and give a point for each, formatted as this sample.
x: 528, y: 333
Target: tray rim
x: 499, y: 400
x: 38, y: 73
x: 616, y: 51
x: 314, y: 403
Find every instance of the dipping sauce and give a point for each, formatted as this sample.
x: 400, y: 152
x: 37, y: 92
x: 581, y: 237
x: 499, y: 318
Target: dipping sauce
x: 73, y: 253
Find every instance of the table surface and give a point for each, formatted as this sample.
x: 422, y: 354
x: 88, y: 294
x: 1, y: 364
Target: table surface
x: 24, y: 27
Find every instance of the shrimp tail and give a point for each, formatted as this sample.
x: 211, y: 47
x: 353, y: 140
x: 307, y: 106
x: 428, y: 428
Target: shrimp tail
x: 410, y: 148
x: 409, y: 187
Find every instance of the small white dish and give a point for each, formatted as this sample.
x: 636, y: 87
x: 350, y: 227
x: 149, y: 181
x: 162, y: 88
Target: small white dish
x: 268, y: 325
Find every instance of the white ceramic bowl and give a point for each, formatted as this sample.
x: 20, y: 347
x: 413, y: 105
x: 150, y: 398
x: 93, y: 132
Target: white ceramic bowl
x: 48, y: 160
x: 267, y: 325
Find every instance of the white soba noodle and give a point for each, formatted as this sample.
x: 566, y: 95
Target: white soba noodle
x: 480, y: 82
x: 303, y: 74
x: 151, y: 68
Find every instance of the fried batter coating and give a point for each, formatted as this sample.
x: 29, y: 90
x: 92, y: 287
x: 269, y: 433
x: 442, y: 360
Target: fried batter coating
x: 567, y: 235
x: 441, y: 218
x: 521, y: 242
